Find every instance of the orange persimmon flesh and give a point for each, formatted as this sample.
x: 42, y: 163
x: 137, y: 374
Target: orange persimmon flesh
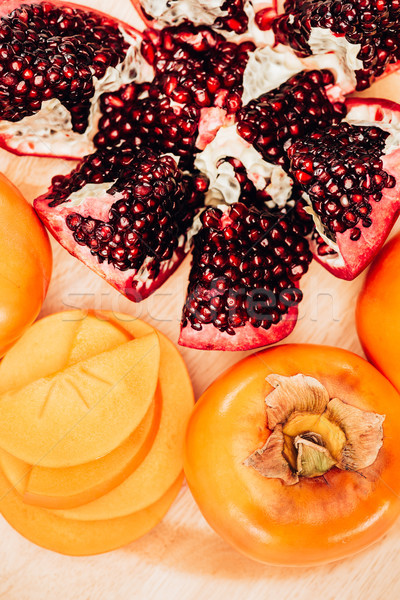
x: 25, y: 264
x: 59, y: 341
x: 72, y: 486
x: 62, y: 340
x: 83, y: 411
x: 80, y: 538
x: 315, y: 520
x: 65, y: 343
x: 164, y: 461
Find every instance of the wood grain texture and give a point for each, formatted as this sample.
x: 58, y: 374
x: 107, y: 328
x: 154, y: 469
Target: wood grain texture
x: 183, y: 558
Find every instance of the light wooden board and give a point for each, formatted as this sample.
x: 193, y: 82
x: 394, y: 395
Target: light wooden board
x: 183, y: 558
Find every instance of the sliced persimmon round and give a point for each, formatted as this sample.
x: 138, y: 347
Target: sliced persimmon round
x: 59, y: 341
x: 84, y: 411
x: 76, y: 335
x: 164, y: 462
x: 74, y: 486
x: 69, y: 487
x: 80, y: 538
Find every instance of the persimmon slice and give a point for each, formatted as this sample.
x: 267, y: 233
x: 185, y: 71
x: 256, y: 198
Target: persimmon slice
x: 164, y: 462
x: 80, y: 538
x: 84, y: 411
x: 73, y: 486
x: 56, y: 342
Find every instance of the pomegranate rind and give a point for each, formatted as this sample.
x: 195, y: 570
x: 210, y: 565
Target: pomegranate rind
x: 138, y: 8
x: 21, y: 148
x: 125, y: 282
x: 245, y: 338
x: 355, y: 256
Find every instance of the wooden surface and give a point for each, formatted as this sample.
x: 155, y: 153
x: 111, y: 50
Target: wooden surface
x: 183, y: 558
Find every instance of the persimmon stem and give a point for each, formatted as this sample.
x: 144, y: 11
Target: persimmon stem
x: 313, y: 459
x: 311, y: 432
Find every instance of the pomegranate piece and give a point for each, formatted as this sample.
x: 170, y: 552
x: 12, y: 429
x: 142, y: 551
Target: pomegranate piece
x: 56, y: 61
x: 125, y: 215
x: 296, y: 107
x: 197, y: 67
x: 243, y: 287
x: 350, y: 177
x: 362, y: 35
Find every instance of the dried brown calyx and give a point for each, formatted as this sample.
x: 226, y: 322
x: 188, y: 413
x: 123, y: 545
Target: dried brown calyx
x: 311, y: 432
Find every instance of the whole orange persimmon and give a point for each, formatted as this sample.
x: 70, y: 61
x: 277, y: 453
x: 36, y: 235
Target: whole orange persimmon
x: 378, y: 312
x: 25, y: 264
x: 292, y: 455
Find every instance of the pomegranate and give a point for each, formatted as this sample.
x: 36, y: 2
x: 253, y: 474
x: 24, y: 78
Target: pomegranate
x: 56, y: 61
x: 350, y: 176
x: 298, y: 106
x: 198, y: 84
x: 126, y: 215
x: 197, y: 137
x: 360, y: 34
x: 249, y: 253
x: 243, y: 287
x: 232, y: 16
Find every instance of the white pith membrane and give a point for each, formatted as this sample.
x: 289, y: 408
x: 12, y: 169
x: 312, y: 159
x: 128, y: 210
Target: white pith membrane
x: 337, y: 54
x: 169, y: 13
x: 363, y: 114
x: 267, y: 68
x: 175, y: 12
x: 311, y: 432
x: 224, y: 188
x: 49, y: 131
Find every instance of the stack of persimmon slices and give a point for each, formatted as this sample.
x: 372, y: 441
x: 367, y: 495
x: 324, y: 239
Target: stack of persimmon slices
x: 94, y: 409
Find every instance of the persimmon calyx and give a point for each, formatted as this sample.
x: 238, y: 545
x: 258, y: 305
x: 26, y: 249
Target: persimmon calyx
x: 311, y: 433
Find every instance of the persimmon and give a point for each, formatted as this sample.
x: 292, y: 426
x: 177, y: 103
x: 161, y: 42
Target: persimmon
x: 292, y: 455
x: 25, y: 265
x: 377, y: 313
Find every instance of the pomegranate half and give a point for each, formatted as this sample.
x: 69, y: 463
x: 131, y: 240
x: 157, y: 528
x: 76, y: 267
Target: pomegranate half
x: 360, y: 36
x: 243, y: 287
